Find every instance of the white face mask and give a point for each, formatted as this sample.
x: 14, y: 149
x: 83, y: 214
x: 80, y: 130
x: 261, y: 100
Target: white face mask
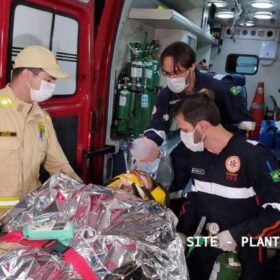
x: 188, y: 140
x: 44, y: 93
x: 177, y: 85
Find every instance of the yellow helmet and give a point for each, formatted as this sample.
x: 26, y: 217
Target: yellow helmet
x: 140, y: 184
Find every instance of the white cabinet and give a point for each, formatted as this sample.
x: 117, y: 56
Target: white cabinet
x: 170, y: 19
x: 168, y: 36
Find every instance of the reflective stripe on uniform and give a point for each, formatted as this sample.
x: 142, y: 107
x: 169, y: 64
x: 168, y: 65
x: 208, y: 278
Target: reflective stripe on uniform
x: 219, y: 76
x: 223, y: 191
x: 8, y: 201
x: 160, y: 133
x: 273, y: 205
x: 246, y: 125
x: 6, y: 101
x: 253, y: 142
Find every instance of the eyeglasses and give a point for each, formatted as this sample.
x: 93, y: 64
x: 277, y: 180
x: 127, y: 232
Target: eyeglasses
x: 176, y: 74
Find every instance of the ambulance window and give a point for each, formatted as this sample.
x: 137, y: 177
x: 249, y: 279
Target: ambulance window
x: 242, y: 64
x: 56, y: 32
x: 66, y: 47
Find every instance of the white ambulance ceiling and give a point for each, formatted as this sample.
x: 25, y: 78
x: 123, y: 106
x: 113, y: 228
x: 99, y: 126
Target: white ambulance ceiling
x: 246, y: 15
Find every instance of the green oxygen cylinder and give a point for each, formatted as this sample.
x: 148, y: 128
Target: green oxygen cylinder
x: 141, y: 112
x: 145, y: 109
x: 148, y: 67
x: 136, y: 67
x: 143, y: 87
x: 124, y: 108
x: 226, y: 267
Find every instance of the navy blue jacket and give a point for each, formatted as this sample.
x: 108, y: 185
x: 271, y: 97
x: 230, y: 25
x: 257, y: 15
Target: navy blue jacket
x: 230, y: 103
x: 235, y: 189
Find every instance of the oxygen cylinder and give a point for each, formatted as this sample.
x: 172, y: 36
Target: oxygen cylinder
x: 147, y: 106
x: 226, y: 267
x: 148, y: 66
x: 141, y: 104
x: 155, y: 62
x: 124, y: 108
x: 136, y: 67
x: 144, y: 76
x: 124, y: 102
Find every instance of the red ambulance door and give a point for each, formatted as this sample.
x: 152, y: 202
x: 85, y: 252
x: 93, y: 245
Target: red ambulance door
x: 67, y: 28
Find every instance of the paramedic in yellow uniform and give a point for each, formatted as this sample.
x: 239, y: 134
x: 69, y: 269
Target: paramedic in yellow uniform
x: 27, y: 135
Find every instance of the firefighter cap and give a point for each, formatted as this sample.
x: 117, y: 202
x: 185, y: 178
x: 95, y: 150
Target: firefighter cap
x: 39, y: 57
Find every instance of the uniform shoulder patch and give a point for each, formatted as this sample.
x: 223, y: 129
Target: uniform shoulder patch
x: 234, y: 90
x: 5, y: 101
x: 275, y: 175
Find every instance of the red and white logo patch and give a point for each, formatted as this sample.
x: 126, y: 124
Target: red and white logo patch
x: 233, y: 164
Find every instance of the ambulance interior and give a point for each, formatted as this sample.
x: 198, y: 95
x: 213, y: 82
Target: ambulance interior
x: 241, y: 45
x: 238, y: 43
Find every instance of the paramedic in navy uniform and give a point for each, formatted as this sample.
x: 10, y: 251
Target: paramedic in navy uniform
x: 235, y: 183
x: 178, y: 66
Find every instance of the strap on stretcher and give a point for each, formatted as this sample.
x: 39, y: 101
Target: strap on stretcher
x: 68, y: 254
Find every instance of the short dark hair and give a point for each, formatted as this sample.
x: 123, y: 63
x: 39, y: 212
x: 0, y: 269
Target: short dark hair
x: 182, y: 54
x: 198, y: 106
x: 17, y: 71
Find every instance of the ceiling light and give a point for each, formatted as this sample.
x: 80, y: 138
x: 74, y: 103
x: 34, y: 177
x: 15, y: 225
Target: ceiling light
x: 249, y: 23
x: 225, y: 14
x: 262, y: 4
x: 263, y: 15
x: 217, y: 3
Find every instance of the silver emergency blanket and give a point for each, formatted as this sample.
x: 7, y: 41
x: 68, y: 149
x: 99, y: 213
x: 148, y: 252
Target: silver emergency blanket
x: 117, y: 233
x: 21, y: 262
